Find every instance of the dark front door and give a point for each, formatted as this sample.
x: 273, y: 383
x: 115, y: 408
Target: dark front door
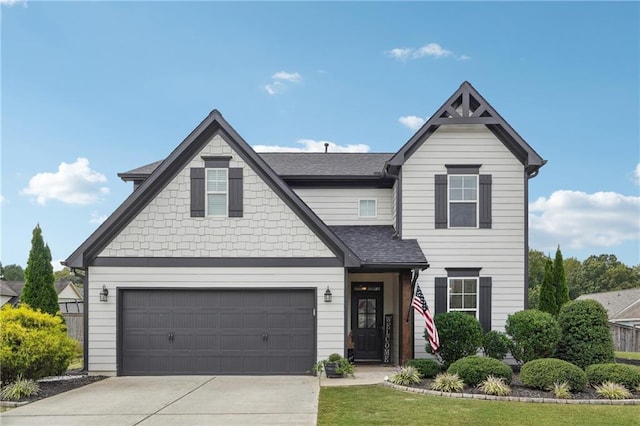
x: 366, y: 321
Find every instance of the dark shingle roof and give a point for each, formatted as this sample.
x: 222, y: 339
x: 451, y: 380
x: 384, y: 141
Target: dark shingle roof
x: 375, y: 245
x: 326, y: 164
x: 302, y: 164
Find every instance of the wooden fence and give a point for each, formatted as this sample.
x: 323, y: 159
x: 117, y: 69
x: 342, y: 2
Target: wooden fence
x: 75, y: 326
x: 626, y: 337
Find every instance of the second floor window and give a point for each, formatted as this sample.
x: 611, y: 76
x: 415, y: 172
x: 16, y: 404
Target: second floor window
x: 217, y: 189
x: 367, y: 208
x: 463, y: 295
x: 463, y: 201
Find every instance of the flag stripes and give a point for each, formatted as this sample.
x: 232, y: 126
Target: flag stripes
x: 420, y: 305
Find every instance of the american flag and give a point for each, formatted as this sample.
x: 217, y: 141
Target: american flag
x: 420, y: 305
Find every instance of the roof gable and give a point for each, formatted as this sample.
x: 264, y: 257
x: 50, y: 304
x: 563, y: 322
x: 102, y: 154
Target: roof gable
x: 214, y: 124
x: 467, y: 106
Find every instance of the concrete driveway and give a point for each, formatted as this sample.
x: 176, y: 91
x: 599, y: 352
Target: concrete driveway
x: 177, y: 400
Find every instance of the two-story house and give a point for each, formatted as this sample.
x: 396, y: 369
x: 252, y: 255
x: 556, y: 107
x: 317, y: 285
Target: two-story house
x: 226, y: 261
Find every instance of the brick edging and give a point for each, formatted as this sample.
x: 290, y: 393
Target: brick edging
x: 482, y: 396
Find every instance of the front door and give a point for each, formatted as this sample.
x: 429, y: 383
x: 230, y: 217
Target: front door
x: 366, y: 321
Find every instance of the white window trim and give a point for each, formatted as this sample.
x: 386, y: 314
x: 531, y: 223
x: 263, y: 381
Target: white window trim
x: 449, y: 201
x: 207, y: 192
x: 450, y: 309
x: 375, y: 208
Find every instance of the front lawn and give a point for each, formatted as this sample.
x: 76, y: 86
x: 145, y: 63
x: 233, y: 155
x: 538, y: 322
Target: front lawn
x: 628, y: 355
x: 383, y: 406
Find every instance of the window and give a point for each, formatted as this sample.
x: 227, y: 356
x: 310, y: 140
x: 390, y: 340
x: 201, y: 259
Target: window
x: 217, y: 192
x: 463, y: 201
x: 367, y: 208
x: 463, y: 295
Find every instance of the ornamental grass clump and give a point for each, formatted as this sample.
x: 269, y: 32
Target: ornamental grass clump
x: 612, y: 390
x: 495, y: 386
x: 406, y: 376
x: 445, y: 382
x: 561, y: 390
x: 20, y: 388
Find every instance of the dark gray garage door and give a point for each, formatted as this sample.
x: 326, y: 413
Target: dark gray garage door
x: 173, y: 332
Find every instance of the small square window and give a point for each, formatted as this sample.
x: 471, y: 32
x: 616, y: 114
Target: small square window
x: 463, y: 295
x: 367, y: 208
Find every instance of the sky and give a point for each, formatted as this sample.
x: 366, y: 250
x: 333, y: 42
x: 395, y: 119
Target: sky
x: 91, y: 89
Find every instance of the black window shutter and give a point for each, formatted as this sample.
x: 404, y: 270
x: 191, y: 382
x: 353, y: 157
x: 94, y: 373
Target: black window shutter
x: 235, y: 192
x: 441, y: 295
x: 485, y: 303
x: 485, y: 201
x: 441, y: 201
x: 197, y: 192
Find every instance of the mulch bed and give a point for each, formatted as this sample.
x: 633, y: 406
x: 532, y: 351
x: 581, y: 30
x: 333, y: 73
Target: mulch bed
x: 74, y: 379
x: 518, y: 390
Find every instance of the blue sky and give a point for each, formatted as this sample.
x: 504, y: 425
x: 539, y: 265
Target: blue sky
x: 93, y: 89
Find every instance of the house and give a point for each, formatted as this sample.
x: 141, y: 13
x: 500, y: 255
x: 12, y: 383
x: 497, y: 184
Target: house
x: 226, y: 261
x: 69, y: 295
x: 621, y: 305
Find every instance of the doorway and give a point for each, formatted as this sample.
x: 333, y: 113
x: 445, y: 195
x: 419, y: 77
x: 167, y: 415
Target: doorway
x: 367, y: 320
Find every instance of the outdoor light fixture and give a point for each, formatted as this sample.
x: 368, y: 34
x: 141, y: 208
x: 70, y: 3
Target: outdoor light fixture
x: 104, y: 294
x: 327, y: 295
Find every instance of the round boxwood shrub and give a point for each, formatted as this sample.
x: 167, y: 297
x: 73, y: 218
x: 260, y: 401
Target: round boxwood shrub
x: 474, y: 370
x: 585, y: 337
x: 460, y: 336
x: 428, y: 368
x: 33, y: 344
x: 534, y: 334
x: 496, y: 345
x: 543, y: 373
x: 622, y: 374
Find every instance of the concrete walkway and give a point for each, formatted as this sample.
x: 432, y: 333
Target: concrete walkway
x: 177, y: 400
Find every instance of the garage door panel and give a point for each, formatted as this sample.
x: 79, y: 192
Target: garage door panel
x: 217, y: 331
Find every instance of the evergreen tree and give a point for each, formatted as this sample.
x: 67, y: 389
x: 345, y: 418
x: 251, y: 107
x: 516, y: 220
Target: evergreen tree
x: 548, y: 291
x: 560, y: 280
x: 39, y: 291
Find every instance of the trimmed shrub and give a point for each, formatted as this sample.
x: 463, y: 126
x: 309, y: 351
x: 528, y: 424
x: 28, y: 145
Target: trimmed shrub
x: 585, y: 336
x: 623, y: 374
x: 534, y: 334
x: 543, y: 373
x: 475, y: 369
x: 496, y: 345
x: 427, y: 368
x: 460, y: 336
x: 33, y: 344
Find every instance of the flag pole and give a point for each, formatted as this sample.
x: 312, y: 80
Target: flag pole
x: 414, y: 279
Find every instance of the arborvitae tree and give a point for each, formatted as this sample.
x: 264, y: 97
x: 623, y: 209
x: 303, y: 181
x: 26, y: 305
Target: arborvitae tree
x: 548, y: 291
x: 560, y: 280
x: 39, y: 291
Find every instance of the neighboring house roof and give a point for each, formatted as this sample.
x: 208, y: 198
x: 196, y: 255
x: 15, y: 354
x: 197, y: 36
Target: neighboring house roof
x: 72, y: 289
x: 467, y: 106
x: 140, y: 173
x: 213, y: 124
x: 619, y: 304
x: 378, y: 246
x: 14, y: 289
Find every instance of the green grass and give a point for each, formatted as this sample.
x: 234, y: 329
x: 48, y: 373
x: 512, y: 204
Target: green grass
x: 628, y: 355
x: 76, y: 363
x: 377, y: 405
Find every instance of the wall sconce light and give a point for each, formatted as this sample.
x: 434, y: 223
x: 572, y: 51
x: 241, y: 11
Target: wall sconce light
x: 327, y: 295
x: 104, y: 294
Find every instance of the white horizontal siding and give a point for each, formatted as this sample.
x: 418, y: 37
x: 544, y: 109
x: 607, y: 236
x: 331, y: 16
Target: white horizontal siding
x: 102, y: 316
x: 499, y: 251
x: 336, y: 206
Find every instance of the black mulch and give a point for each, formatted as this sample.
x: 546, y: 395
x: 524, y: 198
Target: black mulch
x: 51, y: 388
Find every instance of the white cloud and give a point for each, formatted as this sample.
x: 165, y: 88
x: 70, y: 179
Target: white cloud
x: 310, y: 145
x: 97, y: 218
x: 578, y: 220
x: 12, y: 2
x: 433, y: 50
x: 280, y: 80
x: 56, y: 265
x: 411, y: 121
x: 2, y: 199
x: 73, y: 183
x: 636, y: 175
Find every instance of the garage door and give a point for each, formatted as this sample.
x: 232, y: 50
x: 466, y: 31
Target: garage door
x: 173, y: 332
